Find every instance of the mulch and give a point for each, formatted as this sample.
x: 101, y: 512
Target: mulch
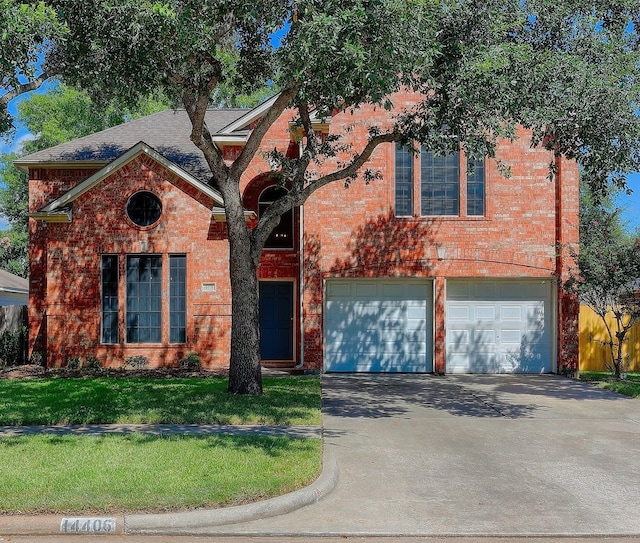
x: 32, y: 371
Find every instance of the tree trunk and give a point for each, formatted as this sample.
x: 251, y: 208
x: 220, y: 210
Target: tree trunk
x: 245, y: 374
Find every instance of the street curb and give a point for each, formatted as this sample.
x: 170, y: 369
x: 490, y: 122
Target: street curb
x: 193, y: 522
x: 189, y: 522
x: 42, y: 525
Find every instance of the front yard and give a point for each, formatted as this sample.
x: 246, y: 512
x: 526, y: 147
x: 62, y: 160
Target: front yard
x: 136, y: 472
x: 630, y: 386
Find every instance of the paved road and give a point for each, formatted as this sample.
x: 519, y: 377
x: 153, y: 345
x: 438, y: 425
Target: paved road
x: 306, y: 539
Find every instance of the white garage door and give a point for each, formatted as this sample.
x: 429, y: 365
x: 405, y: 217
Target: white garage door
x: 498, y: 327
x: 375, y: 325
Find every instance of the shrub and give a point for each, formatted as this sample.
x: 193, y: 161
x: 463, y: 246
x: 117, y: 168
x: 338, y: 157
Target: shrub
x: 37, y: 358
x: 92, y: 363
x: 136, y: 362
x: 74, y: 363
x: 13, y: 347
x: 190, y: 362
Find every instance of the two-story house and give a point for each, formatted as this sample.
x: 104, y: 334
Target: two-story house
x: 438, y: 265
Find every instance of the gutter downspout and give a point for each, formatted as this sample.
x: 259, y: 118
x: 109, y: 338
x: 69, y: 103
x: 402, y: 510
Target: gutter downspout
x: 301, y: 285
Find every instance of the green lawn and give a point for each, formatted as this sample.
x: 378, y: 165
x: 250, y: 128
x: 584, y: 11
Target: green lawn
x: 118, y: 473
x: 629, y: 386
x: 115, y: 473
x: 103, y: 400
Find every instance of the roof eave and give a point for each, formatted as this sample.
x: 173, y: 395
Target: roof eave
x: 219, y: 215
x: 122, y: 160
x: 249, y: 117
x: 64, y: 215
x: 24, y: 165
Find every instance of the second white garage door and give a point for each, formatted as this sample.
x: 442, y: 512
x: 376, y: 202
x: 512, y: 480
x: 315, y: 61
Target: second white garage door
x: 498, y: 327
x: 376, y: 325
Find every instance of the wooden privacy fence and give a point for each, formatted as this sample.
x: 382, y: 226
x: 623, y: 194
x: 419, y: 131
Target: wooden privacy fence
x: 593, y: 354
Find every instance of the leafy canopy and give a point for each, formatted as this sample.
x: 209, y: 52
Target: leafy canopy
x: 568, y: 71
x: 60, y: 115
x: 27, y: 31
x: 606, y: 274
x: 558, y: 68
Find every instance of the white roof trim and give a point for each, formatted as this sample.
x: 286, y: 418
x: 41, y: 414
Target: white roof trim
x: 248, y: 117
x: 63, y: 215
x: 229, y: 139
x: 14, y: 290
x: 138, y: 149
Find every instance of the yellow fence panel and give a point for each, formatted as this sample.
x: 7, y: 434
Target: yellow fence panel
x: 593, y: 354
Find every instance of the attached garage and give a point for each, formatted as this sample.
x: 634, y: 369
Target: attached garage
x: 499, y: 326
x: 378, y: 325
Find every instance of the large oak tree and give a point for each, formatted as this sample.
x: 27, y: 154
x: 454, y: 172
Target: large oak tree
x: 567, y: 70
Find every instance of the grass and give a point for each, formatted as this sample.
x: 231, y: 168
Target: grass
x: 629, y: 386
x: 286, y: 401
x: 115, y: 473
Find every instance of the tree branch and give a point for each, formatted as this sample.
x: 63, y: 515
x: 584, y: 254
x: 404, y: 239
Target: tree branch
x: 283, y: 101
x: 24, y: 88
x: 353, y: 167
x: 196, y: 102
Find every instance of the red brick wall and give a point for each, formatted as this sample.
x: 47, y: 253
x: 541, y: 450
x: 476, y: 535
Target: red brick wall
x: 352, y: 232
x: 65, y: 264
x: 346, y: 232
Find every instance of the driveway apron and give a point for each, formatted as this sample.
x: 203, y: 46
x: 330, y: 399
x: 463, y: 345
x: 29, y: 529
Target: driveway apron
x: 473, y: 455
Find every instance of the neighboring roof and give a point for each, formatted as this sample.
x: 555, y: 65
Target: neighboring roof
x: 12, y: 283
x: 168, y: 132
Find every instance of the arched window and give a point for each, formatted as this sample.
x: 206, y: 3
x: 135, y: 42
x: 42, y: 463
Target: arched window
x: 282, y: 235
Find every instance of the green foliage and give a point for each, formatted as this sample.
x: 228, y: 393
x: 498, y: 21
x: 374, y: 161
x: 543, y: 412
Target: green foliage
x: 37, y: 358
x: 190, y: 362
x: 628, y: 386
x: 287, y: 401
x: 74, y: 363
x: 85, y: 475
x: 65, y: 113
x: 137, y: 362
x: 27, y: 29
x: 606, y: 276
x: 92, y: 363
x: 13, y: 347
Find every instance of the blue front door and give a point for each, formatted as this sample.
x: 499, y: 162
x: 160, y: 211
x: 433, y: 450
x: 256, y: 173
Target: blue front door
x: 276, y: 320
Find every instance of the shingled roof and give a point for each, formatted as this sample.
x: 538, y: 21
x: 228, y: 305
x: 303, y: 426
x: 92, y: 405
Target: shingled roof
x: 167, y: 132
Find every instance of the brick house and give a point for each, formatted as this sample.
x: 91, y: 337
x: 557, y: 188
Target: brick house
x: 434, y: 267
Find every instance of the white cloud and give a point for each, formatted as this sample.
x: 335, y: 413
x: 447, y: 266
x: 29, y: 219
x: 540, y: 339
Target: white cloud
x: 16, y: 145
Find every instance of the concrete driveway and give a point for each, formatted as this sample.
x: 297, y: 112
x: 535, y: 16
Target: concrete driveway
x: 481, y: 455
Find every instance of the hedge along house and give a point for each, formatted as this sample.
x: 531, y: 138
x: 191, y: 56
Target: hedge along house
x: 439, y: 265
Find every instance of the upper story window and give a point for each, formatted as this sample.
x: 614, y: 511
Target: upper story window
x: 442, y: 184
x: 439, y: 184
x: 475, y: 187
x: 282, y: 235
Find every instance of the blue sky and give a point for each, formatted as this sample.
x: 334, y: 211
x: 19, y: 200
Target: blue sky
x: 630, y: 204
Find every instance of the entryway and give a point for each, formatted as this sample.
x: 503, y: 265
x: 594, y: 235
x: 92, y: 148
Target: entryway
x: 276, y: 320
